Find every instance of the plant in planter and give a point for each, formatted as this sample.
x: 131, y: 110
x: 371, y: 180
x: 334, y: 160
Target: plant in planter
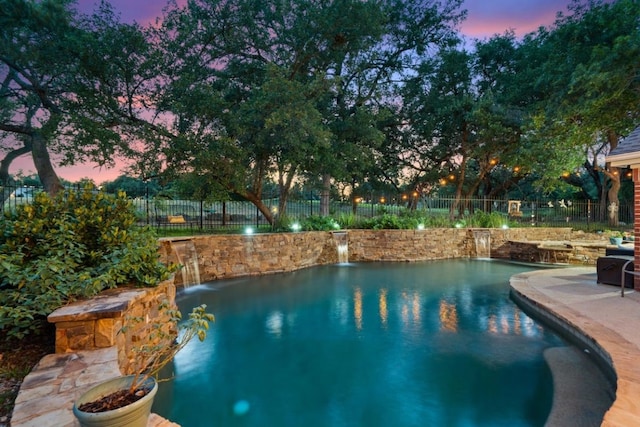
x: 126, y: 401
x: 615, y: 237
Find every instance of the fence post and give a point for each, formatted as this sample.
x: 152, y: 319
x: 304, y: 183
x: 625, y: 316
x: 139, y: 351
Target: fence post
x: 146, y: 200
x: 224, y: 213
x: 201, y: 222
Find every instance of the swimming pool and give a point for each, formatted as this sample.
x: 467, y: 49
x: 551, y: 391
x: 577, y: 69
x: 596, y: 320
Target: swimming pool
x: 372, y: 344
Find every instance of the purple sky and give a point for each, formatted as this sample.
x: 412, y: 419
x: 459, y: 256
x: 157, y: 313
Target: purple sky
x: 484, y: 19
x: 488, y: 17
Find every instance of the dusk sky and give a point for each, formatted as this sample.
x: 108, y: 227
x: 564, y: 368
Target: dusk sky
x: 484, y: 19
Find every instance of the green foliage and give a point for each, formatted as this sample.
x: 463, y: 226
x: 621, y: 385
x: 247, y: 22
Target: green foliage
x: 390, y: 222
x: 319, y: 223
x: 75, y: 245
x: 348, y: 220
x: 283, y: 223
x: 150, y: 357
x: 436, y: 221
x: 483, y: 219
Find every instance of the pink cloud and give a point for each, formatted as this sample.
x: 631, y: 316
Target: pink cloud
x: 484, y: 19
x: 74, y: 173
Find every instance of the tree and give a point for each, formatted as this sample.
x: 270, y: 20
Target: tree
x: 363, y: 106
x: 289, y: 88
x: 464, y: 121
x: 590, y: 88
x: 77, y: 87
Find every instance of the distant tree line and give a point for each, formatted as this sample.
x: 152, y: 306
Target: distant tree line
x: 235, y: 97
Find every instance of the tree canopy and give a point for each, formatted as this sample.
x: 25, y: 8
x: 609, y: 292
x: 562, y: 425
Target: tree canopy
x: 229, y: 95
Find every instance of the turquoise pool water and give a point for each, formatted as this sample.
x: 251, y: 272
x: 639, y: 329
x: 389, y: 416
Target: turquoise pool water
x: 373, y: 344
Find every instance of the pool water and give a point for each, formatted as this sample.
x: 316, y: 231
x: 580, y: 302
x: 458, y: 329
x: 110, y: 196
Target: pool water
x: 371, y: 344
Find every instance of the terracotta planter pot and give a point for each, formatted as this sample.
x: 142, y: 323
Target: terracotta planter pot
x: 133, y: 415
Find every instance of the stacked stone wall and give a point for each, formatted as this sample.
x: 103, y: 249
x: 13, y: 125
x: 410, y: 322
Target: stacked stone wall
x: 408, y: 245
x: 98, y: 323
x: 226, y: 256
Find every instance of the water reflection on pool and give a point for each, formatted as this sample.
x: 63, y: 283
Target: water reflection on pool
x: 372, y: 344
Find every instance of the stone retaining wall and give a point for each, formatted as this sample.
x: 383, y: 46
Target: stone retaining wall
x: 227, y: 256
x: 98, y: 323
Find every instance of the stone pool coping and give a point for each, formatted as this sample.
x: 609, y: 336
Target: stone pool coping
x: 595, y: 314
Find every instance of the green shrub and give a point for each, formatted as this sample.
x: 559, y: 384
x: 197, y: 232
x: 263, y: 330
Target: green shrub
x: 319, y: 223
x: 75, y: 245
x: 391, y: 222
x: 483, y: 219
x: 348, y: 220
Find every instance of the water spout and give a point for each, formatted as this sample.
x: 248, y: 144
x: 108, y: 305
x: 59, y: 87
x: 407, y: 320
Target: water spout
x: 342, y: 246
x: 482, y: 239
x: 187, y: 257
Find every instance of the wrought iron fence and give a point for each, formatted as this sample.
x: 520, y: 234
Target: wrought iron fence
x: 202, y: 216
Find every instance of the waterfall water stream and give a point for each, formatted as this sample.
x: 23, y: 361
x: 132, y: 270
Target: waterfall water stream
x: 342, y: 246
x: 187, y: 257
x: 482, y: 240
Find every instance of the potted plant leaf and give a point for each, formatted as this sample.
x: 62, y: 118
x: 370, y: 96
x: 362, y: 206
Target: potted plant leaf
x: 127, y: 400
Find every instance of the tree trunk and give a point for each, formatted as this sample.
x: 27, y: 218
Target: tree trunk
x: 614, y: 202
x: 42, y: 162
x: 264, y: 209
x: 613, y: 174
x: 458, y: 196
x: 8, y: 159
x: 5, y: 178
x: 325, y: 194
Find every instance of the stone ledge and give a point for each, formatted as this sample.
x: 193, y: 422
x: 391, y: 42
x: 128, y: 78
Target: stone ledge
x: 99, y: 322
x: 110, y: 303
x: 47, y: 394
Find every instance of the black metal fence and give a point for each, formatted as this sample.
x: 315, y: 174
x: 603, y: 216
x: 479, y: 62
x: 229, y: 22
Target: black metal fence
x: 203, y: 216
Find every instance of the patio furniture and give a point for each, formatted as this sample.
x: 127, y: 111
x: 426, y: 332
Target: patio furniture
x: 609, y: 270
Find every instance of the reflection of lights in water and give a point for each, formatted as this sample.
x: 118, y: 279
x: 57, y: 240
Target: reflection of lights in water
x: 517, y: 325
x: 342, y: 310
x: 357, y: 307
x: 492, y: 325
x: 274, y: 323
x: 448, y: 316
x: 504, y: 322
x: 241, y: 407
x: 415, y: 309
x: 382, y: 304
x: 410, y: 309
x: 404, y: 310
x: 187, y: 360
